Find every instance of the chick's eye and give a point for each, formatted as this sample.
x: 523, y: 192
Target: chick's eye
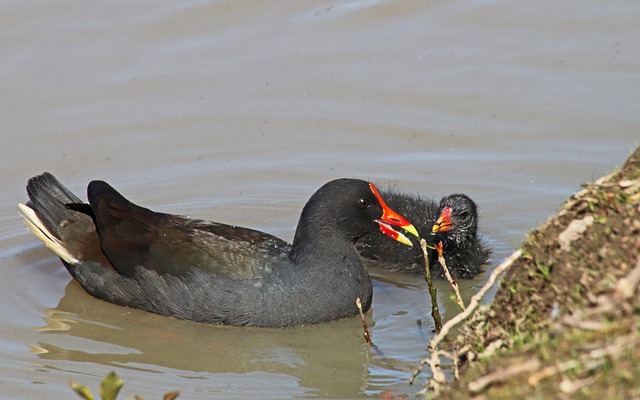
x: 464, y: 215
x: 363, y: 203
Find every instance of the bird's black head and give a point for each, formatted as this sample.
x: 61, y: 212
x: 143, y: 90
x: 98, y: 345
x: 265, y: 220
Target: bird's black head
x: 458, y: 219
x: 351, y: 208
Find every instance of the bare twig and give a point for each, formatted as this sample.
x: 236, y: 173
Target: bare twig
x: 452, y: 282
x: 367, y: 336
x: 502, y: 375
x: 433, y: 291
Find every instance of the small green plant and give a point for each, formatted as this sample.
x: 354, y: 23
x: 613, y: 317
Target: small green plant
x: 109, y: 389
x: 543, y: 271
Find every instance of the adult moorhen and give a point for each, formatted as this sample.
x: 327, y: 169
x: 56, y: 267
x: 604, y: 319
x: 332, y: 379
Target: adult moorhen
x: 211, y: 272
x: 454, y: 222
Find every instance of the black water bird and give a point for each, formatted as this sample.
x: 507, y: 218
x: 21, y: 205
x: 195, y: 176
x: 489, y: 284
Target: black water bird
x: 212, y: 272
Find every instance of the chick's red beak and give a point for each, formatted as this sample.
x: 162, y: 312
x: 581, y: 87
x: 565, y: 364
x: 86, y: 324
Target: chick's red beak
x: 390, y: 219
x: 443, y: 224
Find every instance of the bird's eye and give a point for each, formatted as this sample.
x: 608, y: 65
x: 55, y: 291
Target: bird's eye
x: 464, y: 215
x: 363, y: 203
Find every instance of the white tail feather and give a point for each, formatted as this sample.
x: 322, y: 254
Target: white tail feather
x: 36, y: 227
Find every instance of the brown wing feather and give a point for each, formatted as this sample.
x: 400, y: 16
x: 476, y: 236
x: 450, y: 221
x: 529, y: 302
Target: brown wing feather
x: 132, y: 236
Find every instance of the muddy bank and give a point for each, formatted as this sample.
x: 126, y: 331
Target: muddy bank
x: 565, y: 321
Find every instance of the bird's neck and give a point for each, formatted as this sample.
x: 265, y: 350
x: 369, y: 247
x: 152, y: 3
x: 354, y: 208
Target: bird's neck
x: 313, y: 244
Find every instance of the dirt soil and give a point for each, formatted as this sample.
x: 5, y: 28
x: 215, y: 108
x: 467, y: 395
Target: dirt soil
x: 565, y: 321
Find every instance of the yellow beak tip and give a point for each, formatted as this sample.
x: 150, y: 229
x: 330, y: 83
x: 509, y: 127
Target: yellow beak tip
x: 412, y: 230
x: 404, y: 240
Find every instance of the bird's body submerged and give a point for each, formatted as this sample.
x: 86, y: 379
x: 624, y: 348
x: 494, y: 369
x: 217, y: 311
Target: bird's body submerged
x: 211, y: 272
x: 464, y: 251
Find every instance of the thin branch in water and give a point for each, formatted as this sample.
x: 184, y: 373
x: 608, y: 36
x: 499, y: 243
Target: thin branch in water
x: 433, y: 291
x: 452, y: 282
x: 367, y: 336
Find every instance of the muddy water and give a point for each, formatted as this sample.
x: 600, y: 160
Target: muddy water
x: 237, y: 112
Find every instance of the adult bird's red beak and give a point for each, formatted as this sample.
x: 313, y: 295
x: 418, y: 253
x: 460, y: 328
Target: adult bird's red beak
x: 443, y: 224
x: 391, y: 218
